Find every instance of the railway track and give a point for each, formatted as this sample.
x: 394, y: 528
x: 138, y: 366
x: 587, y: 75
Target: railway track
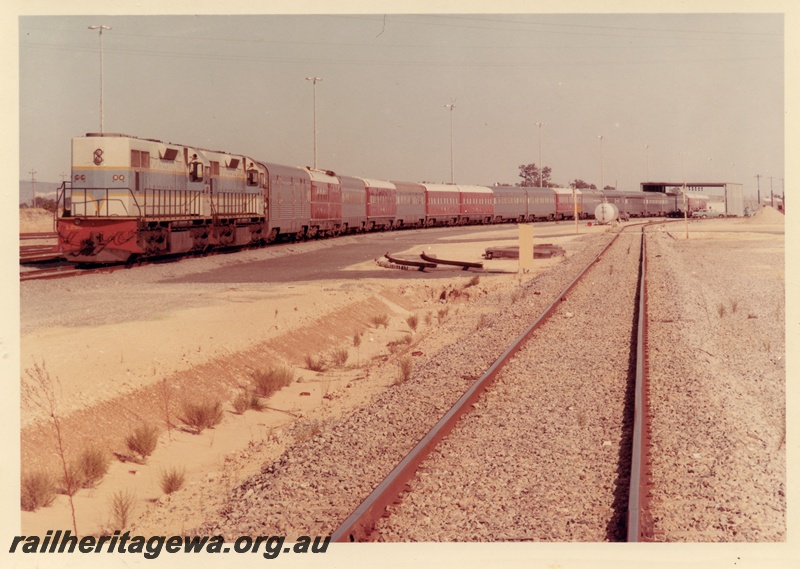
x: 610, y: 494
x: 62, y: 270
x: 334, y: 480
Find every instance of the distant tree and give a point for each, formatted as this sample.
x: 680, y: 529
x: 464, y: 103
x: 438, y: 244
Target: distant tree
x: 609, y: 187
x: 581, y: 185
x: 530, y: 176
x: 45, y: 203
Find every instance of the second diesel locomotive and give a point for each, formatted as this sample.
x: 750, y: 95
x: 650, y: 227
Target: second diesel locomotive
x: 132, y: 197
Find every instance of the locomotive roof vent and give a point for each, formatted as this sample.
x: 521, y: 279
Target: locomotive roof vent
x: 109, y: 134
x: 169, y: 154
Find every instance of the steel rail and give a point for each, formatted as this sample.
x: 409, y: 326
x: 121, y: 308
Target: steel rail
x: 640, y: 524
x: 465, y: 265
x: 359, y: 525
x: 65, y: 272
x: 39, y: 235
x: 420, y: 265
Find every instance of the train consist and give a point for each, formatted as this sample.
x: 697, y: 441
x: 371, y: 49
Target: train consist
x: 132, y: 197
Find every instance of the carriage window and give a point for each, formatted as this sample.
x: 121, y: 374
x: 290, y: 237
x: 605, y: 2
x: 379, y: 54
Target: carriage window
x: 214, y: 168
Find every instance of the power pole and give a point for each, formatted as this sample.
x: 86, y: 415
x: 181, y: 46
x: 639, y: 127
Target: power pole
x: 771, y: 195
x: 314, y: 81
x: 451, y: 106
x: 33, y: 187
x: 758, y: 181
x: 540, y: 125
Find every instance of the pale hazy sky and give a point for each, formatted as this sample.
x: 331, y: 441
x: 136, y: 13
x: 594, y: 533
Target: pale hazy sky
x: 704, y: 92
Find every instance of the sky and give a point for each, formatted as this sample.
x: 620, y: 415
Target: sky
x: 673, y: 95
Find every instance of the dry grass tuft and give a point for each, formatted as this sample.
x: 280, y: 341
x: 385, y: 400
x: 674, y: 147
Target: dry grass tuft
x: 396, y: 345
x: 380, y: 320
x: 406, y: 368
x: 269, y: 381
x: 307, y: 431
x: 413, y: 322
x: 245, y: 401
x: 37, y: 490
x: 315, y: 362
x: 339, y: 356
x: 201, y: 415
x: 473, y: 281
x: 483, y: 322
x: 92, y: 465
x: 172, y: 480
x: 143, y: 440
x: 71, y: 480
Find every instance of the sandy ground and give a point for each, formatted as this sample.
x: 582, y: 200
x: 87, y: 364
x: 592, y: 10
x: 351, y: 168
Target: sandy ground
x: 125, y: 345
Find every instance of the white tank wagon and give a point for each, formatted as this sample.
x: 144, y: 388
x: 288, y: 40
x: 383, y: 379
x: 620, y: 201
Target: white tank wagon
x: 606, y: 213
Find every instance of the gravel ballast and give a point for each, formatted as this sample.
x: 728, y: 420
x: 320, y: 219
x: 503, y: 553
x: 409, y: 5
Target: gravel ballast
x: 318, y: 482
x: 544, y: 455
x: 718, y: 388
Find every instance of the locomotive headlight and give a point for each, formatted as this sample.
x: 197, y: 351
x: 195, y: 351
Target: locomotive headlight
x: 83, y: 177
x: 116, y: 177
x: 122, y: 177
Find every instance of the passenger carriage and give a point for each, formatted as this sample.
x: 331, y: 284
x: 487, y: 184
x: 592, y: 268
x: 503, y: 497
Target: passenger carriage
x: 589, y: 200
x: 326, y: 204
x: 411, y: 203
x: 541, y: 204
x: 442, y: 204
x: 510, y: 204
x: 381, y: 204
x: 354, y: 204
x: 565, y: 203
x: 476, y: 204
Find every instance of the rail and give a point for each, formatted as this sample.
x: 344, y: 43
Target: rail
x: 465, y: 265
x: 361, y: 521
x: 420, y: 265
x: 640, y: 523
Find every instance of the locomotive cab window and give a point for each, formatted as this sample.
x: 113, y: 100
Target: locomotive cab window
x: 252, y: 177
x: 195, y: 170
x: 140, y: 159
